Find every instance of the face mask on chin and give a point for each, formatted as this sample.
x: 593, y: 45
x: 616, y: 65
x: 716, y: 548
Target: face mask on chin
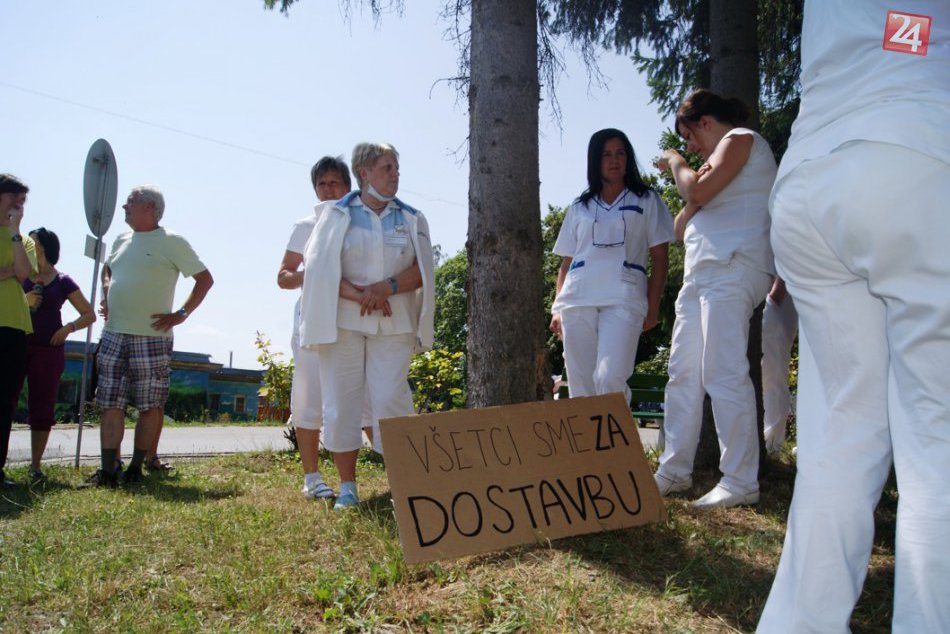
x: 375, y: 194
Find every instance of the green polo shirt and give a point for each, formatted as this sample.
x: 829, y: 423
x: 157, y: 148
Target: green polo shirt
x: 144, y: 268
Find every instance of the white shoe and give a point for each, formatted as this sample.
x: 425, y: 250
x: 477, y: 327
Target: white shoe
x: 721, y: 497
x: 667, y: 486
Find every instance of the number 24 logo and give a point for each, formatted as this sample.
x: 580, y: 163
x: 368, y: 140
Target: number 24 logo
x: 907, y: 33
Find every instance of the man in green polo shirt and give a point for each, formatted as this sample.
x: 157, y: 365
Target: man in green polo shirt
x: 138, y: 293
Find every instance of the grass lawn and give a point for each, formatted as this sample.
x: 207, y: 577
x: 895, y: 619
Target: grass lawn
x: 228, y: 545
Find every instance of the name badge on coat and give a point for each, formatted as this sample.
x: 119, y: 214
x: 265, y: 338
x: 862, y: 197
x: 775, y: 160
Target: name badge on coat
x: 398, y: 238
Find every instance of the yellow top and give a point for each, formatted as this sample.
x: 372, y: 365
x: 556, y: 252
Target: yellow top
x: 14, y: 311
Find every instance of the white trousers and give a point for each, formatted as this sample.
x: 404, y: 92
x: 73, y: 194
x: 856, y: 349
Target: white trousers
x: 306, y: 399
x: 779, y: 327
x: 358, y: 367
x: 708, y: 355
x: 861, y: 238
x: 600, y: 348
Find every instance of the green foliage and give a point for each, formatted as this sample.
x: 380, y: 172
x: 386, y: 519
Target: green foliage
x: 438, y: 380
x: 676, y: 33
x: 278, y: 374
x: 185, y: 403
x: 451, y: 304
x: 550, y: 228
x: 657, y: 364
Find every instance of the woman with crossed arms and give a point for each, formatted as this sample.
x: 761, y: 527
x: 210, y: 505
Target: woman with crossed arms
x: 367, y: 305
x: 727, y: 271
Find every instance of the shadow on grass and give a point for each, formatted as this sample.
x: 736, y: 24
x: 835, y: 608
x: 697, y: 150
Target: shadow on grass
x: 19, y: 499
x: 695, y: 557
x: 163, y: 487
x: 379, y: 508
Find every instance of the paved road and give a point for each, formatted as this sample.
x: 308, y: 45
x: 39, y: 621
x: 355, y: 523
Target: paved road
x: 176, y: 442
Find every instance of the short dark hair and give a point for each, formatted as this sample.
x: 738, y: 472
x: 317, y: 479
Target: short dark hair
x: 703, y: 102
x: 50, y: 243
x: 330, y: 164
x: 595, y: 150
x: 10, y: 184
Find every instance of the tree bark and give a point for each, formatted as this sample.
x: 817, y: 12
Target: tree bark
x: 505, y: 307
x: 734, y: 52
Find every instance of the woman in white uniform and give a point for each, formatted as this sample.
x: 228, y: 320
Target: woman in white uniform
x: 727, y: 271
x: 605, y: 295
x: 367, y: 304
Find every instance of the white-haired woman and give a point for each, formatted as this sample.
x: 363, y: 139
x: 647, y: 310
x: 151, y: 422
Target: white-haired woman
x: 369, y: 307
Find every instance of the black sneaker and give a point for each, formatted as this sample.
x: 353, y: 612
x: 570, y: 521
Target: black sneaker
x: 132, y: 475
x: 7, y: 484
x: 102, y: 479
x: 37, y: 476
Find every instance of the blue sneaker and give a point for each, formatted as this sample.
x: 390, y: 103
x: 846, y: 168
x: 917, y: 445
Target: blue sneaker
x: 345, y: 501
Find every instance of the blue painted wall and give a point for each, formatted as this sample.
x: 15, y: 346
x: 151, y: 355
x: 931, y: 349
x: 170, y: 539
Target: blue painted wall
x: 194, y: 388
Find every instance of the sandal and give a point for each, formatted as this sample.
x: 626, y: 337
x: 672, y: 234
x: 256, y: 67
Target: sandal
x: 157, y: 465
x: 321, y: 491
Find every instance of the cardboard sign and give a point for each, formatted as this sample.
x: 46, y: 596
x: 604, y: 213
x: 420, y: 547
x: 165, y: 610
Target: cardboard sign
x: 473, y: 481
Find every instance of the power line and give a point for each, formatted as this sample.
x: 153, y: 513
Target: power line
x: 193, y: 135
x: 152, y: 124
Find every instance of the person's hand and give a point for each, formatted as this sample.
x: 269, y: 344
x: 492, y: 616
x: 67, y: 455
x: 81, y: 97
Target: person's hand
x: 34, y: 298
x: 166, y: 321
x: 652, y: 319
x: 59, y: 337
x: 104, y: 309
x: 350, y: 291
x: 376, y: 297
x: 663, y: 163
x: 778, y: 292
x: 15, y: 214
x: 556, y: 325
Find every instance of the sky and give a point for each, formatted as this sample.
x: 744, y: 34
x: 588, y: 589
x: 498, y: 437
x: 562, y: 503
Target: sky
x: 225, y: 106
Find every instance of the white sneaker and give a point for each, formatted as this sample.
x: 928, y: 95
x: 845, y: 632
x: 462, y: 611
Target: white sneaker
x: 721, y: 497
x: 667, y: 486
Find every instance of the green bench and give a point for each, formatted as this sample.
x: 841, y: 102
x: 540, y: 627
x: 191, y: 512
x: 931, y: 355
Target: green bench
x: 647, y: 388
x: 644, y: 388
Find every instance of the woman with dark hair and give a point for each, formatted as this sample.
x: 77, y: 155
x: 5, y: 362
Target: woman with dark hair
x: 728, y: 270
x: 606, y: 295
x: 17, y: 263
x: 46, y: 293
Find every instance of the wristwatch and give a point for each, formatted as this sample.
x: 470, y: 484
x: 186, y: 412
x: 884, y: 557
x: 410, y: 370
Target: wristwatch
x: 182, y: 312
x: 392, y: 284
x: 17, y: 237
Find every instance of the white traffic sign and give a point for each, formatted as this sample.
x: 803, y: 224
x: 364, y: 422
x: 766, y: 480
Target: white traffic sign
x: 100, y: 187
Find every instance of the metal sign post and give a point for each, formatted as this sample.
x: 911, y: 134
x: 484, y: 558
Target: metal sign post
x: 100, y: 188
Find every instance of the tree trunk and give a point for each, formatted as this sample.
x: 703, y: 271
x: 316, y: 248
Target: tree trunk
x: 734, y: 72
x: 734, y: 52
x: 505, y: 307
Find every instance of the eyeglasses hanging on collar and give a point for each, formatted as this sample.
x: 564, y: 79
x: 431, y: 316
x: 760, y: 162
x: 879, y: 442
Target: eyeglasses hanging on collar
x: 608, y: 227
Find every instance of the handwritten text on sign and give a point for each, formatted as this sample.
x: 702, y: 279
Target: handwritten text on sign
x: 479, y: 480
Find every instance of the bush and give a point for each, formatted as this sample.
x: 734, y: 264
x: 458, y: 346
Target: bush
x: 278, y: 374
x: 438, y: 380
